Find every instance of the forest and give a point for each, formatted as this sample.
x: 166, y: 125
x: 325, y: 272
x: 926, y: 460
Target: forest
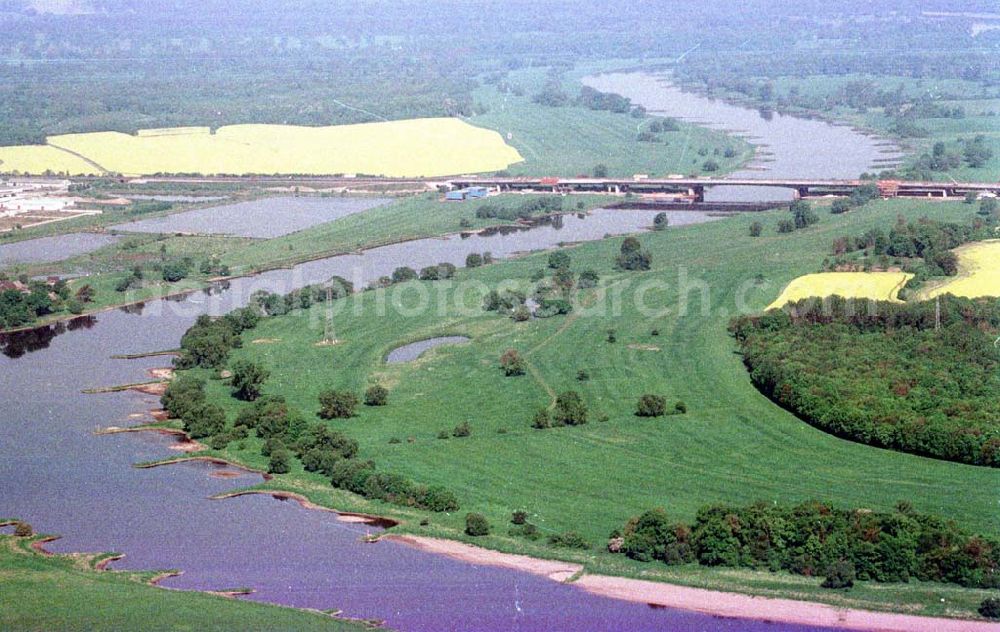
x: 919, y: 378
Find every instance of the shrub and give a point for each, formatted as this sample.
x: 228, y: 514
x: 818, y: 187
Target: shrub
x: 512, y: 363
x: 680, y: 408
x: 542, y: 419
x: 651, y: 406
x: 570, y: 409
x: 23, y: 530
x: 336, y: 404
x: 710, y: 165
x: 632, y: 256
x: 559, y: 259
x: 74, y: 306
x: 248, y: 377
x: 786, y: 226
x: 437, y: 499
x: 462, y: 430
x: 756, y: 229
x: 588, y: 279
x: 430, y: 273
x: 612, y: 336
x: 988, y: 206
x: 491, y: 302
x: 175, y: 271
x: 280, y: 462
x: 376, y: 395
x: 601, y: 171
x: 840, y: 206
x: 473, y: 260
x: 568, y: 540
x: 660, y: 221
x: 521, y: 314
x: 839, y: 575
x: 519, y: 517
x: 990, y: 608
x: 444, y: 434
x: 526, y: 530
x: 220, y: 441
x: 582, y: 375
x: 476, y: 525
x: 403, y: 274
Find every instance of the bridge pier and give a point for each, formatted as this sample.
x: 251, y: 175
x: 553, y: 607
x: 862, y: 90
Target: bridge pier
x: 697, y: 192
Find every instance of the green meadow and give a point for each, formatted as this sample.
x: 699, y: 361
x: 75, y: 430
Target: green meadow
x: 732, y: 446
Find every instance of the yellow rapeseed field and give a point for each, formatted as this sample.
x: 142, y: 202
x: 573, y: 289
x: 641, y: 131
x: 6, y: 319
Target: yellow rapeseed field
x: 36, y: 159
x: 978, y: 272
x: 883, y: 286
x: 417, y: 147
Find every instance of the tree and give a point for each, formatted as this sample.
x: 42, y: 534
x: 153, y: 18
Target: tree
x: 570, y: 409
x: 512, y: 363
x: 661, y: 221
x: 559, y: 260
x: 988, y: 206
x: 756, y: 229
x: 601, y: 171
x: 280, y: 462
x: 336, y: 404
x: 182, y: 396
x: 651, y: 406
x: 204, y: 421
x: 376, y: 395
x: 476, y: 525
x: 710, y: 165
x: 840, y: 575
x: 632, y: 256
x: 85, y: 294
x: 786, y: 226
x: 802, y: 214
x: 473, y: 260
x: 248, y: 377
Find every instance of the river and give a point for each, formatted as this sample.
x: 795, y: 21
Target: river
x: 64, y: 479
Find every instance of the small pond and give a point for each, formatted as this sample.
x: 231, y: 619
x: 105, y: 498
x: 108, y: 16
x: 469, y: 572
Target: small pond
x: 412, y: 351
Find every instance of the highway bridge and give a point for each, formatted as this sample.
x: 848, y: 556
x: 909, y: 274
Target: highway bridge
x: 690, y: 189
x: 694, y: 188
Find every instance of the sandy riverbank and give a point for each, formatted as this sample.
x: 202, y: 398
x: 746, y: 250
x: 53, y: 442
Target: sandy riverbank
x: 698, y: 599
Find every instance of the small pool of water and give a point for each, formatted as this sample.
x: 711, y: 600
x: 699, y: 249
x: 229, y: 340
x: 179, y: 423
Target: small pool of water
x: 412, y: 351
x: 55, y: 248
x: 266, y: 218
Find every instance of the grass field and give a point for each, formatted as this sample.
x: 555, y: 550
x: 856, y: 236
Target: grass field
x: 67, y: 593
x: 734, y: 445
x: 978, y: 272
x: 416, y: 147
x: 880, y: 286
x: 572, y: 140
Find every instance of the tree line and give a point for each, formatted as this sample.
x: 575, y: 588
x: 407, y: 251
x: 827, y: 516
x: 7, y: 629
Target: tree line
x: 817, y: 539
